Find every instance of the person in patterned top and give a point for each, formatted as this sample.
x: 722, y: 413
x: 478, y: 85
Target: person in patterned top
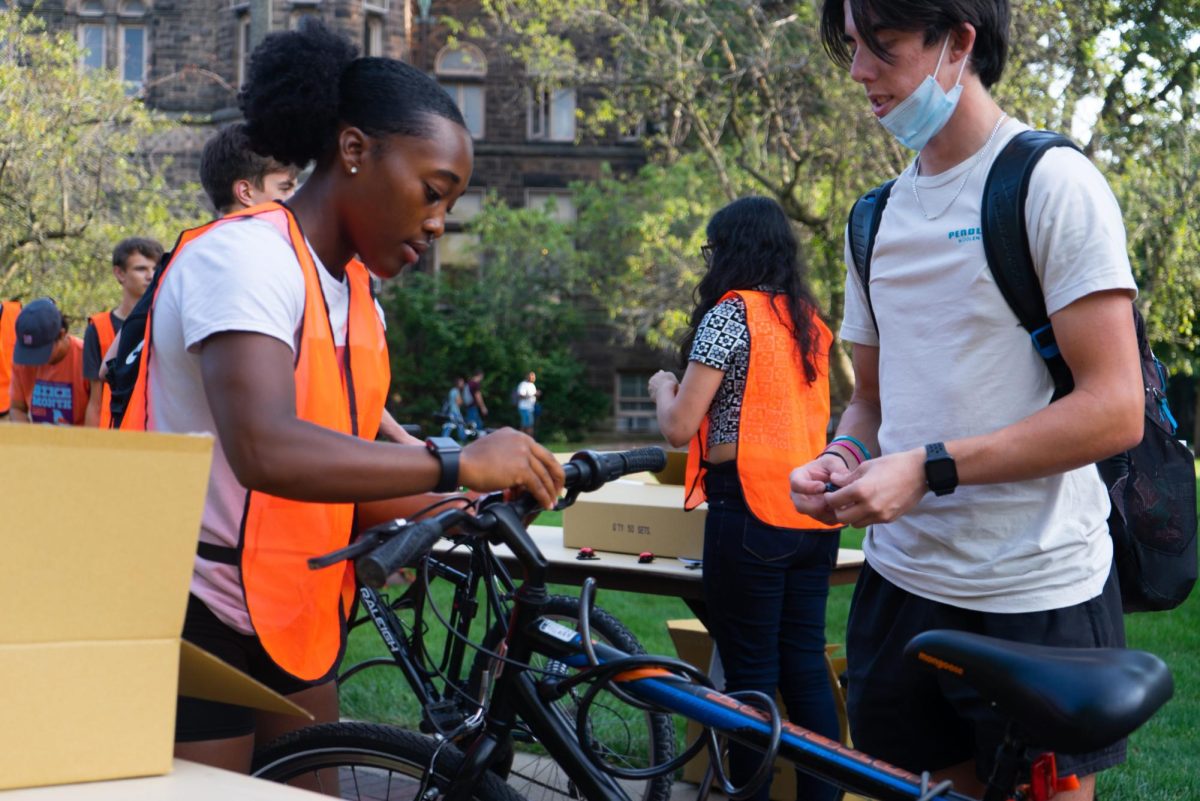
x: 755, y: 394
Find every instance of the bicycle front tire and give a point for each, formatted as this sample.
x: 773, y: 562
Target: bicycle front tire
x: 373, y: 762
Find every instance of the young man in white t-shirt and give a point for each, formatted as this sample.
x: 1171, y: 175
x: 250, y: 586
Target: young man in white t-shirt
x: 984, y: 509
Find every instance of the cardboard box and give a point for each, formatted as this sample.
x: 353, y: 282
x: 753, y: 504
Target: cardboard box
x: 631, y: 516
x: 99, y: 531
x: 676, y: 470
x: 695, y: 647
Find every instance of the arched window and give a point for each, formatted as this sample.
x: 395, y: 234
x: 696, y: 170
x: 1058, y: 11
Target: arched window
x: 461, y: 70
x: 131, y: 8
x: 90, y: 8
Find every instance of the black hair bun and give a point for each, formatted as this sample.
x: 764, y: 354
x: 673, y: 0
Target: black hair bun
x: 291, y: 98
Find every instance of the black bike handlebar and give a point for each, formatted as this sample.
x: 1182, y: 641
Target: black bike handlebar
x: 587, y: 471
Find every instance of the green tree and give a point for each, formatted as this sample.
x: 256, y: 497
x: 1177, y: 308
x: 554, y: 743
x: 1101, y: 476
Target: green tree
x: 519, y: 311
x: 748, y: 86
x: 75, y: 174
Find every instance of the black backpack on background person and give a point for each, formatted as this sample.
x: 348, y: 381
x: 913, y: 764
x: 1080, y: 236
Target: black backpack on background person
x: 122, y: 373
x: 1152, y: 486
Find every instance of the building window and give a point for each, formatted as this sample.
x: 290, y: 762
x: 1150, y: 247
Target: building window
x: 458, y: 250
x: 243, y: 46
x: 373, y: 36
x: 557, y: 202
x: 552, y: 114
x: 461, y: 71
x: 91, y: 39
x: 379, y: 6
x: 635, y: 409
x: 90, y: 8
x: 132, y: 8
x: 133, y: 57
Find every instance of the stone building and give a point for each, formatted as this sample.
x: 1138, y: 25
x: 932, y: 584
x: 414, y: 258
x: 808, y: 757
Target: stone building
x: 187, y: 58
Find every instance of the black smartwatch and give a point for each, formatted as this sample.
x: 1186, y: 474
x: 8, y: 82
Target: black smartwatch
x: 446, y: 450
x: 940, y: 473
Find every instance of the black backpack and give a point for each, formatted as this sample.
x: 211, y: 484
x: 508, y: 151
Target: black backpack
x: 1153, y: 485
x: 123, y: 367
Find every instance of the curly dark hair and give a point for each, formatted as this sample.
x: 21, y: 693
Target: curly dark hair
x: 304, y: 83
x: 935, y: 18
x: 753, y: 246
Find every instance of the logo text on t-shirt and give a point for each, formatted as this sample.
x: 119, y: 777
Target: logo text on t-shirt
x: 963, y: 235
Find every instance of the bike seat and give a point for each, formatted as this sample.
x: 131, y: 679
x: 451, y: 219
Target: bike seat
x: 1068, y: 700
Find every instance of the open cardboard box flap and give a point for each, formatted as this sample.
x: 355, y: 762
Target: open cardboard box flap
x: 99, y: 530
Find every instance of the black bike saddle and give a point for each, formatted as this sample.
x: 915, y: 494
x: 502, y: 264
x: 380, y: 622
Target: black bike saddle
x: 1069, y: 700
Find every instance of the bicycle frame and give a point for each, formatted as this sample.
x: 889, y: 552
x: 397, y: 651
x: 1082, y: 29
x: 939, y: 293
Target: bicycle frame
x: 517, y: 695
x: 442, y: 708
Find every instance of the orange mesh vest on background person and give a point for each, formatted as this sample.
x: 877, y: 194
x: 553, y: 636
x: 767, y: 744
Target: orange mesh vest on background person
x: 783, y: 419
x: 106, y: 335
x: 9, y: 310
x: 297, y: 613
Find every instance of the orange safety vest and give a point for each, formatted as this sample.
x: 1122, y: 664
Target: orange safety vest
x: 9, y: 310
x: 299, y: 614
x: 106, y: 334
x: 783, y: 419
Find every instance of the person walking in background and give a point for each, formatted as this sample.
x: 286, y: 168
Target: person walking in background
x: 474, y: 409
x: 755, y: 397
x: 47, y: 379
x: 527, y: 402
x: 452, y: 411
x: 264, y: 333
x: 983, y: 508
x: 134, y: 261
x: 9, y: 310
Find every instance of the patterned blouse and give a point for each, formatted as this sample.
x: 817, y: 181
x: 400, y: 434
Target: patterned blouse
x: 723, y: 343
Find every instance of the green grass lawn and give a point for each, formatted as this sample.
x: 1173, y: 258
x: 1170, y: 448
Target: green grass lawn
x: 1164, y: 756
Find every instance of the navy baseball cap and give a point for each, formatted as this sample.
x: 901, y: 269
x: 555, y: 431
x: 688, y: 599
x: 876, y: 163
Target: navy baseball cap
x: 38, y: 327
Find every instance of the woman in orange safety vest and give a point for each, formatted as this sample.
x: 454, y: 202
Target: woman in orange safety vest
x: 264, y: 331
x: 753, y: 404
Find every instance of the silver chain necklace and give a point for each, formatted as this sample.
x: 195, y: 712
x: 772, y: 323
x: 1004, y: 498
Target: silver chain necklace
x: 978, y: 158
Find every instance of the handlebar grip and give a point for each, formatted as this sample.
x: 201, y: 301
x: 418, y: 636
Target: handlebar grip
x: 642, y: 459
x: 588, y: 470
x: 403, y: 548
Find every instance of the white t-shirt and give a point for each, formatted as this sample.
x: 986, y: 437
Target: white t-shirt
x: 242, y: 276
x: 526, y: 396
x: 954, y: 363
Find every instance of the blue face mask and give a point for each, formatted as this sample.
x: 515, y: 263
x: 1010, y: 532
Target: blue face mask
x: 926, y: 111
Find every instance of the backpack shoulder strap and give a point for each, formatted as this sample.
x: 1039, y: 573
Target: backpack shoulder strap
x: 1006, y: 243
x: 865, y: 215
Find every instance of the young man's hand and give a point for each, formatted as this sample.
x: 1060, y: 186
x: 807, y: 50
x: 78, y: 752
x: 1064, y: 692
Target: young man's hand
x: 808, y: 488
x: 879, y: 490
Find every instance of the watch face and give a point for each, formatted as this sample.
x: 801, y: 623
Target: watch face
x: 941, y: 475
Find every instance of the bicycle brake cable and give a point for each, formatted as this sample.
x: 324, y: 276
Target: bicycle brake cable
x: 763, y: 772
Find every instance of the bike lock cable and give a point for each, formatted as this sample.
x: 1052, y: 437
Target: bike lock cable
x: 763, y: 773
x: 599, y: 678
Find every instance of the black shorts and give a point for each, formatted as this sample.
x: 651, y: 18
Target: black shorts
x: 921, y: 720
x: 197, y: 719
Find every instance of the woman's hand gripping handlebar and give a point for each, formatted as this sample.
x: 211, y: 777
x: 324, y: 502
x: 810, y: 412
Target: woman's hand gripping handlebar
x: 384, y: 549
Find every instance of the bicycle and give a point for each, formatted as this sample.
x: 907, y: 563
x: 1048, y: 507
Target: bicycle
x: 1054, y: 699
x: 451, y: 689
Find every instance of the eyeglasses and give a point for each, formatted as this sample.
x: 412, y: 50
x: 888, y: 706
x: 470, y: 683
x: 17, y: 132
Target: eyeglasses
x: 706, y: 251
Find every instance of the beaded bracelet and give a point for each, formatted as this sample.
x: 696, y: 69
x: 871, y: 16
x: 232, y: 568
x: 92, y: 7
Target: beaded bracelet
x: 848, y: 449
x: 847, y: 438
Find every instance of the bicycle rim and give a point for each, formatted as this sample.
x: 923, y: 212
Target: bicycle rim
x: 624, y: 735
x: 369, y: 762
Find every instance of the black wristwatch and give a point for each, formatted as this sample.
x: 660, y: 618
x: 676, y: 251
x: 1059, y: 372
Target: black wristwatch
x: 446, y: 450
x: 940, y: 473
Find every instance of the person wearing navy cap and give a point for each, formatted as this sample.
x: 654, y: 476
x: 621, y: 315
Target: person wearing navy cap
x: 47, y: 381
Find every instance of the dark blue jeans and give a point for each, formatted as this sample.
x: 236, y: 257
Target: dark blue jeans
x: 766, y: 588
